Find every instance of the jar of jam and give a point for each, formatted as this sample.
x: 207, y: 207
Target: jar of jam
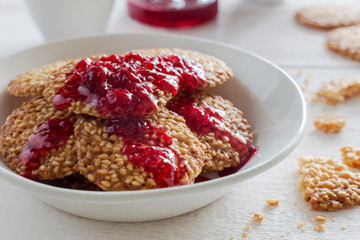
x: 173, y: 13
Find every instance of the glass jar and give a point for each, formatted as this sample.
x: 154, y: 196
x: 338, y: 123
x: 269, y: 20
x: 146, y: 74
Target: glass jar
x: 173, y: 13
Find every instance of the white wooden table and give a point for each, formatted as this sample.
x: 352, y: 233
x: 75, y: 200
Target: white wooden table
x: 266, y: 29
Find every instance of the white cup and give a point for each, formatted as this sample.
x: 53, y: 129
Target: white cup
x: 61, y: 19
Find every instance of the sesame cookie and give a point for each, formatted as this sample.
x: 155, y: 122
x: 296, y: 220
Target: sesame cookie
x: 25, y: 148
x: 120, y: 86
x: 328, y: 16
x: 345, y: 41
x: 328, y: 184
x: 157, y: 151
x: 351, y: 156
x: 329, y: 122
x: 219, y: 125
x: 338, y: 90
x: 32, y: 82
x: 216, y: 71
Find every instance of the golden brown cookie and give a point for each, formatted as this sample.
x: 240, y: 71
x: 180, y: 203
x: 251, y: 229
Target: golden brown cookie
x: 328, y: 184
x: 345, y: 41
x: 25, y: 131
x: 158, y: 151
x: 329, y: 122
x: 32, y: 82
x: 216, y: 71
x: 328, y: 16
x: 219, y: 125
x: 338, y: 90
x: 351, y: 156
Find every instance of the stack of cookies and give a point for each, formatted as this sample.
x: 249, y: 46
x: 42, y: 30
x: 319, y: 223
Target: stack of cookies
x: 140, y: 120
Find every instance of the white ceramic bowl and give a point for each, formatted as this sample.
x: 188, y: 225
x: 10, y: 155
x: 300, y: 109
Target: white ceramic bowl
x: 269, y: 98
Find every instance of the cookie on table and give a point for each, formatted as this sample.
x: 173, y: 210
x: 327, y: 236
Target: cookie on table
x: 339, y: 90
x: 32, y: 82
x: 329, y: 122
x: 328, y: 16
x: 216, y: 71
x: 351, y: 156
x: 345, y: 41
x: 26, y: 129
x: 154, y: 152
x: 328, y: 184
x: 219, y: 125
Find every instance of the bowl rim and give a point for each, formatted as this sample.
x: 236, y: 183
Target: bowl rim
x: 153, y: 194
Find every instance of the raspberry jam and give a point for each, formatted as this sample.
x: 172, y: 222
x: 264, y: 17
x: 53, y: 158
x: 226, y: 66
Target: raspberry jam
x: 201, y: 178
x: 232, y: 170
x: 123, y: 86
x: 165, y: 13
x: 203, y: 119
x: 49, y: 135
x: 147, y: 146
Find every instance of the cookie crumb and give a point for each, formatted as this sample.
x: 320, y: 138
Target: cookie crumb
x: 295, y: 203
x: 350, y: 156
x: 303, y: 229
x: 329, y: 122
x: 258, y: 217
x: 301, y: 224
x: 244, y: 234
x: 283, y: 234
x: 232, y: 236
x: 320, y: 218
x: 272, y: 202
x: 338, y: 90
x: 319, y: 228
x: 343, y: 227
x: 299, y: 73
x: 247, y: 227
x: 308, y: 80
x: 315, y: 98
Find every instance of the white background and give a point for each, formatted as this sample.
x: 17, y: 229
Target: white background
x: 266, y: 29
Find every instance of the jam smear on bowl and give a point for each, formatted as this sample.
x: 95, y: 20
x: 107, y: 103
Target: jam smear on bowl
x: 201, y: 178
x: 203, y: 119
x: 49, y: 135
x: 232, y: 170
x: 148, y: 147
x: 122, y: 86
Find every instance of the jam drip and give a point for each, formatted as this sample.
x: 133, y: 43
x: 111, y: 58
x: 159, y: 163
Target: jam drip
x: 49, y: 135
x: 147, y: 146
x: 203, y: 120
x: 123, y: 86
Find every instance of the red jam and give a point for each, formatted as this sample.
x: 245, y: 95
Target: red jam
x: 151, y: 153
x: 123, y: 86
x: 201, y: 178
x: 49, y: 135
x: 203, y: 119
x: 173, y: 13
x: 232, y: 170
